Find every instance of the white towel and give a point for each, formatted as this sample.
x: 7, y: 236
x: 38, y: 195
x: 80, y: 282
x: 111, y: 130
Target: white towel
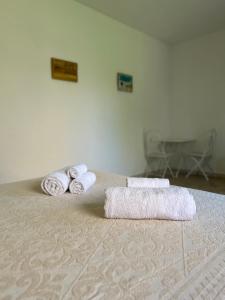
x: 56, y: 183
x: 144, y: 203
x: 147, y: 182
x: 77, y: 170
x: 82, y: 183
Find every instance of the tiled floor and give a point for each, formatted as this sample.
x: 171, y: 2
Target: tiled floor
x: 215, y: 185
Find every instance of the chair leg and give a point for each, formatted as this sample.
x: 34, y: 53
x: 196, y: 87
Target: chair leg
x: 210, y: 168
x: 198, y: 165
x: 161, y: 162
x: 203, y: 172
x: 164, y: 171
x: 171, y: 172
x: 180, y: 164
x: 158, y: 165
x: 167, y: 167
x: 191, y: 170
x: 147, y: 170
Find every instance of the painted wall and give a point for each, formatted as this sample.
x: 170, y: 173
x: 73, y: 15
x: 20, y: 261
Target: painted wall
x: 46, y: 124
x: 198, y: 90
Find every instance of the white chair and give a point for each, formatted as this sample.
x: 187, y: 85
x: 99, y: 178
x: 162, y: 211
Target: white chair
x: 155, y: 154
x: 203, y: 154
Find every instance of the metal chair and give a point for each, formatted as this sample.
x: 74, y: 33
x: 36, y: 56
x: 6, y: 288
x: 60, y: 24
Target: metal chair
x: 155, y: 154
x: 203, y: 154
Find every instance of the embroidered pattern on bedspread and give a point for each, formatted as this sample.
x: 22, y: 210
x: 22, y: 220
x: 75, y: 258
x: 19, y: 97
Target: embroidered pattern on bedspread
x: 63, y: 248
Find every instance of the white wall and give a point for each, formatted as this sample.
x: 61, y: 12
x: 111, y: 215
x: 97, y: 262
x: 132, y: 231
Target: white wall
x: 46, y: 124
x: 198, y: 90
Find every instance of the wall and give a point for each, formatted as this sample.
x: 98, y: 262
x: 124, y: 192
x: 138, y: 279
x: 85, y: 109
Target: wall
x: 198, y: 90
x: 47, y: 124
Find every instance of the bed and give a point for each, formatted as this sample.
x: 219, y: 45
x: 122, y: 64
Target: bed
x: 64, y: 248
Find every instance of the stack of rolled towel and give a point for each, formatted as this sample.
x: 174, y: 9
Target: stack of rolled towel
x: 149, y: 198
x: 77, y: 179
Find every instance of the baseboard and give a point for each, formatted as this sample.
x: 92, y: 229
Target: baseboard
x: 138, y: 175
x: 217, y: 175
x: 210, y: 175
x: 184, y: 172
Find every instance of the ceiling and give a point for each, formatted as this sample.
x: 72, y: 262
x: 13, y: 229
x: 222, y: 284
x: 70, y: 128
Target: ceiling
x: 169, y: 20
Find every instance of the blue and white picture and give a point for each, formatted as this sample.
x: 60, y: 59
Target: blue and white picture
x: 125, y: 82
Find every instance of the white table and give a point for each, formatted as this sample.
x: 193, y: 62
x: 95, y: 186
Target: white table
x: 178, y: 146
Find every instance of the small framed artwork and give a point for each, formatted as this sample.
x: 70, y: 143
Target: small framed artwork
x: 125, y: 82
x: 64, y: 70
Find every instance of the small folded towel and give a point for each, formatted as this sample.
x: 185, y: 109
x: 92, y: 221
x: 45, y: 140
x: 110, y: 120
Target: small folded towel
x: 144, y: 203
x: 77, y: 170
x: 56, y: 183
x: 147, y: 182
x: 82, y: 183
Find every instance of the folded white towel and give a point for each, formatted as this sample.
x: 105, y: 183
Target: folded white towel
x: 77, y: 170
x: 82, y: 183
x: 56, y: 183
x: 147, y: 182
x: 144, y: 203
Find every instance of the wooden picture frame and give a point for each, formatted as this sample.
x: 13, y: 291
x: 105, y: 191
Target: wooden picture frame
x: 125, y: 82
x: 64, y: 70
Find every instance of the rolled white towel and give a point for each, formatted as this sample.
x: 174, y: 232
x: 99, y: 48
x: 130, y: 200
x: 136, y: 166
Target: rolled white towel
x: 144, y: 203
x: 147, y: 182
x: 77, y: 170
x: 56, y: 183
x: 82, y: 183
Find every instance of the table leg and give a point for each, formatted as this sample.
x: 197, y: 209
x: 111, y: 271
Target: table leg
x: 180, y: 164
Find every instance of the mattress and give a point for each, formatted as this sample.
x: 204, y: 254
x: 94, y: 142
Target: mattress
x: 64, y: 248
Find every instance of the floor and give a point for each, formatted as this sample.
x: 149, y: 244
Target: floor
x: 215, y: 185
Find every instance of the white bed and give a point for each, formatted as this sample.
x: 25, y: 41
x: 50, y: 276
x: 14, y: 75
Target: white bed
x: 64, y: 248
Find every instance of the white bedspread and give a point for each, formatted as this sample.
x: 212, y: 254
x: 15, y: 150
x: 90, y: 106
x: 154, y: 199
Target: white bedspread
x: 63, y: 248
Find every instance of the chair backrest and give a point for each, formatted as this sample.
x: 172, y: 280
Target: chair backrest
x: 206, y: 142
x: 152, y: 142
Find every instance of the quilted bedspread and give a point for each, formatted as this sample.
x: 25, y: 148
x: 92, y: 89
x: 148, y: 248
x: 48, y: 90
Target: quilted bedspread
x: 64, y: 248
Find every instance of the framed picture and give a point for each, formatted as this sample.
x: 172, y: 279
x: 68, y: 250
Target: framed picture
x: 125, y: 82
x: 64, y: 70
